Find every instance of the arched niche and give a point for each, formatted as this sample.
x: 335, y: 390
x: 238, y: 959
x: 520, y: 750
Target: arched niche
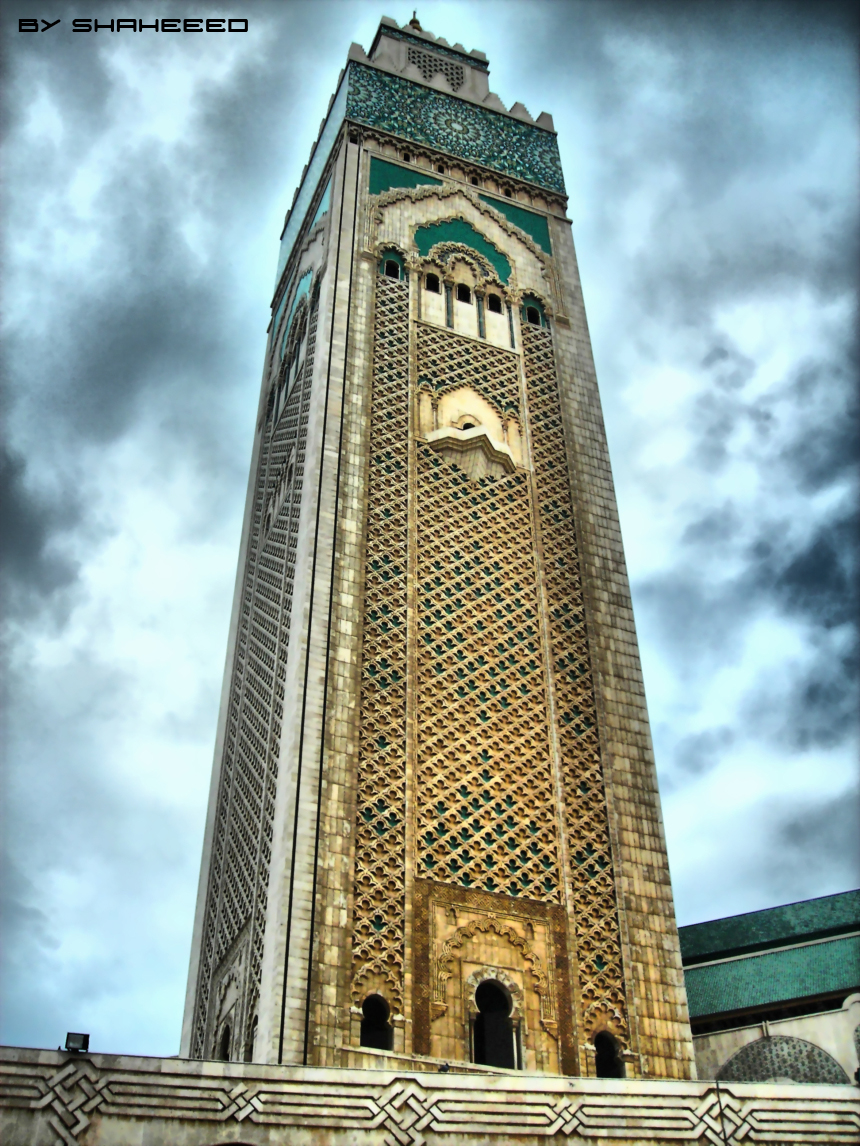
x: 782, y: 1058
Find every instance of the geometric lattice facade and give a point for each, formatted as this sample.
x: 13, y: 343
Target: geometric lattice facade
x: 434, y: 783
x: 781, y: 1058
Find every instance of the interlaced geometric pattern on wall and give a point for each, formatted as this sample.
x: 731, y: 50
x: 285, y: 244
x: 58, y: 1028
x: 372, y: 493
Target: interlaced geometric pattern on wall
x: 782, y: 1057
x: 446, y: 361
x: 485, y: 809
x: 429, y: 64
x: 380, y: 853
x: 597, y: 932
x: 242, y: 843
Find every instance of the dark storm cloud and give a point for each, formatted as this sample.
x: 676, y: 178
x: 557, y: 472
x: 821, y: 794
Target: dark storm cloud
x: 157, y: 319
x: 816, y: 700
x: 142, y: 321
x: 814, y: 848
x: 701, y: 751
x: 28, y: 568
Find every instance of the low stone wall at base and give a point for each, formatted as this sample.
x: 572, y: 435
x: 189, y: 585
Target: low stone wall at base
x: 49, y: 1098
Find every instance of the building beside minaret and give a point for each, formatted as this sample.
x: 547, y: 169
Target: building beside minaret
x: 434, y: 829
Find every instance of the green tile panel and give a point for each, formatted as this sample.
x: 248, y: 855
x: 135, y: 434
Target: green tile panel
x: 385, y: 175
x: 534, y: 225
x: 775, y: 927
x: 774, y: 977
x: 459, y: 231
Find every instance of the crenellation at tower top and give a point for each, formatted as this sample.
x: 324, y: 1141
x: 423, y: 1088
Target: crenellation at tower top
x: 423, y: 58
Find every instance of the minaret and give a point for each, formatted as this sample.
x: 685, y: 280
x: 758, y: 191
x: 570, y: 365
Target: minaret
x: 434, y: 829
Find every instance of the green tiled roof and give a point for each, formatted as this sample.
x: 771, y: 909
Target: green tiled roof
x: 774, y: 977
x: 775, y: 927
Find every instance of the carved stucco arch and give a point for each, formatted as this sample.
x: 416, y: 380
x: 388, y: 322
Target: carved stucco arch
x: 416, y: 194
x: 379, y: 248
x: 489, y: 974
x: 442, y: 972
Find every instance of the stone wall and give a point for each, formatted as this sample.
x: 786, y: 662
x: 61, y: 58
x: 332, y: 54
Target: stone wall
x: 836, y: 1034
x: 48, y: 1098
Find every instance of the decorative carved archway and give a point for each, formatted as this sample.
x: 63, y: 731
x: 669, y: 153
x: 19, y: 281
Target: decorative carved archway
x: 442, y: 971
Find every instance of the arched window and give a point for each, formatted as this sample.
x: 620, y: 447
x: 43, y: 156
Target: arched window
x: 407, y: 158
x: 376, y: 1030
x: 440, y: 167
x: 607, y: 1060
x: 431, y: 283
x: 463, y: 293
x: 224, y: 1044
x: 508, y: 193
x: 391, y: 265
x: 494, y: 1037
x: 494, y: 304
x: 468, y: 426
x: 533, y: 311
x: 475, y: 181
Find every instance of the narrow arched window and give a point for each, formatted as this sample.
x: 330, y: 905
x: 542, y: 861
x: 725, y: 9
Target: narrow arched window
x: 431, y: 283
x: 607, y: 1060
x: 224, y: 1044
x: 463, y: 293
x: 440, y: 167
x: 392, y: 269
x: 376, y: 1030
x: 475, y: 181
x: 494, y: 303
x: 533, y: 315
x: 508, y: 193
x: 407, y: 158
x: 494, y: 1034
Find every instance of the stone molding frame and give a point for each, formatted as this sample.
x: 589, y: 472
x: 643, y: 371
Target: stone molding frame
x: 495, y: 975
x: 50, y: 1099
x: 554, y: 203
x: 442, y: 970
x: 448, y: 191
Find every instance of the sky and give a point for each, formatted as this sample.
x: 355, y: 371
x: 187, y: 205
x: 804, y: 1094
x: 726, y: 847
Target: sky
x: 711, y: 156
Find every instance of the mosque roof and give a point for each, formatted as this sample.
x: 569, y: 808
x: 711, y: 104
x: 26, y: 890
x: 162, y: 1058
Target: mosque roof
x: 774, y: 977
x: 777, y: 956
x: 774, y: 927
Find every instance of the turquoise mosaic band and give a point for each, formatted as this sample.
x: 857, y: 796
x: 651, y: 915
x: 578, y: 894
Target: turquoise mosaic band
x: 446, y: 123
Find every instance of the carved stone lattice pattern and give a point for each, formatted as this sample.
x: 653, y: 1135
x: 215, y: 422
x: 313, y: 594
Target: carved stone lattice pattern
x: 438, y: 49
x: 380, y: 851
x: 446, y: 361
x: 782, y: 1057
x: 447, y: 123
x: 595, y: 911
x: 241, y: 847
x: 484, y: 785
x: 428, y: 64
